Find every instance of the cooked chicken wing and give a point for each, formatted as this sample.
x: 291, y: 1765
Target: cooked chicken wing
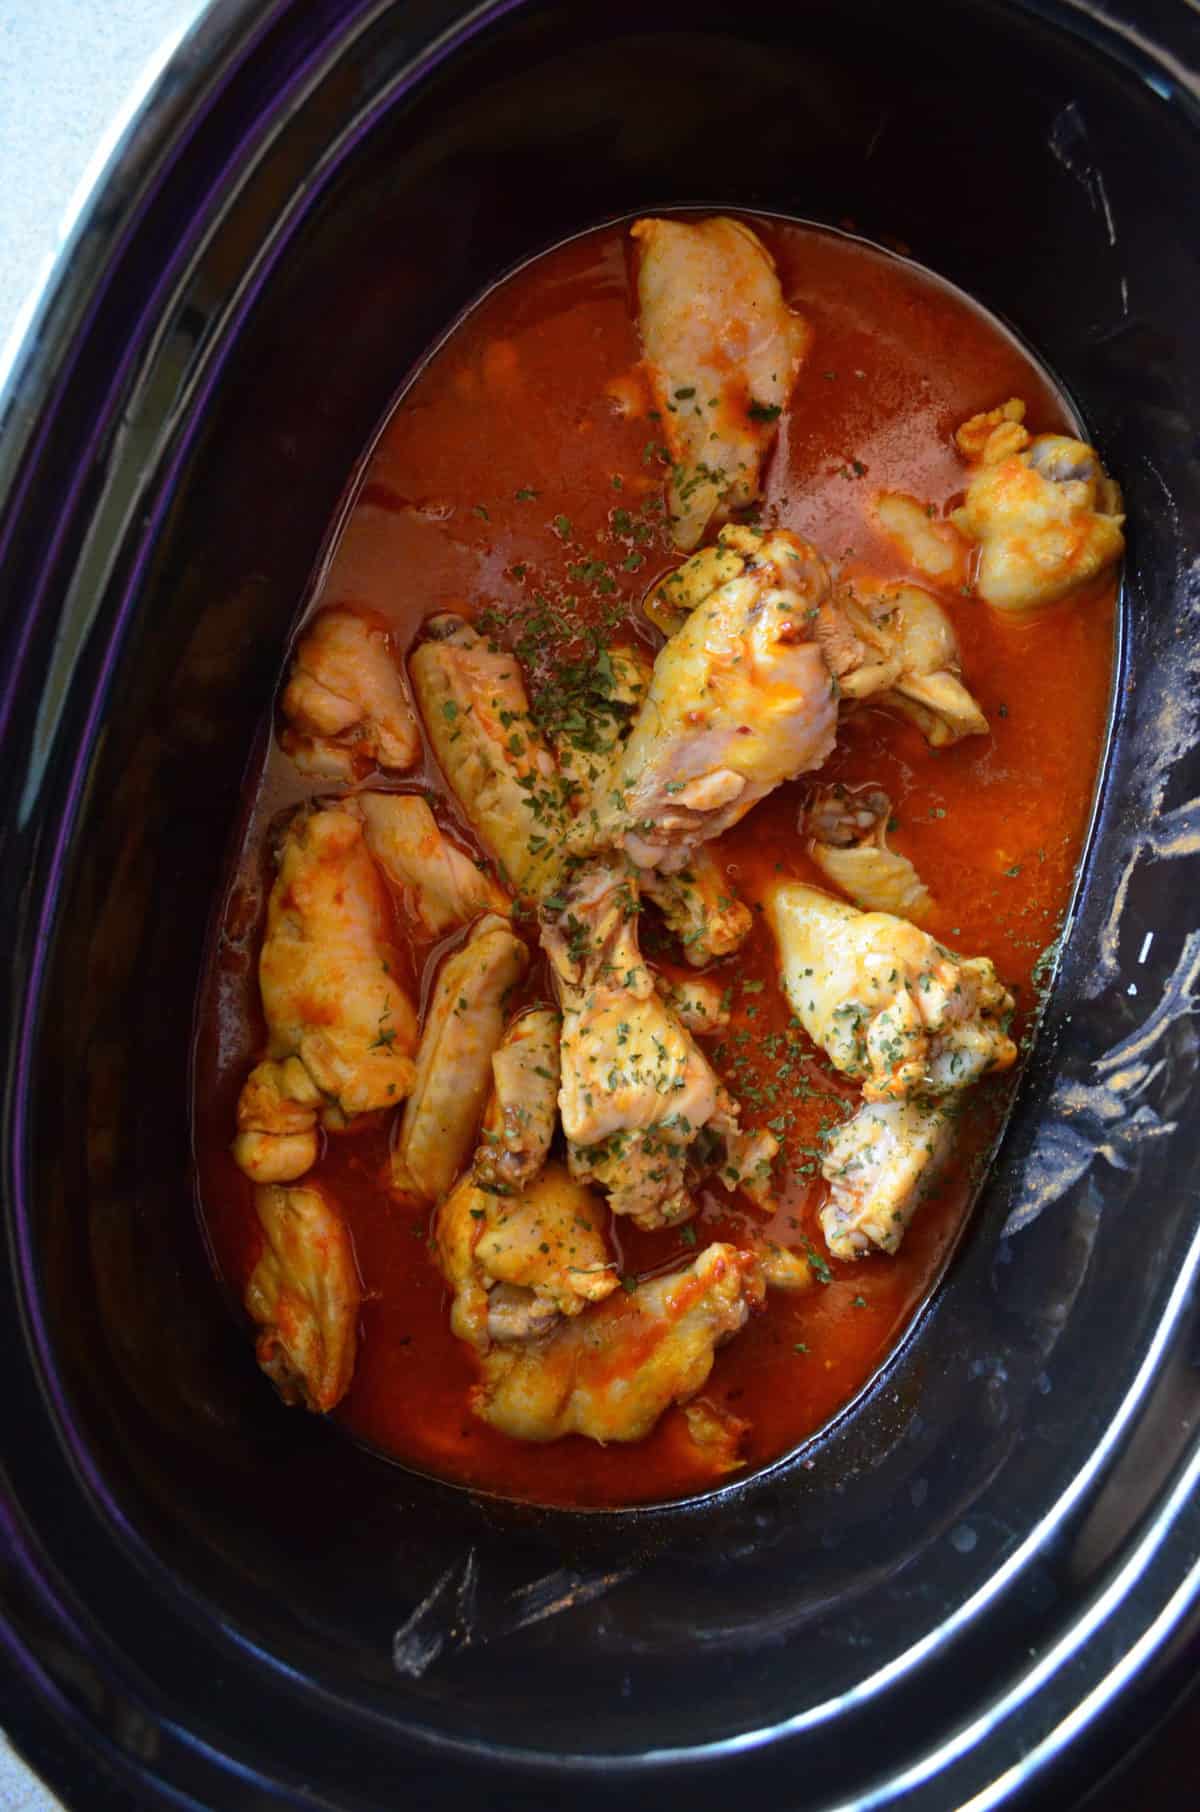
x: 476, y: 711
x: 610, y: 1373
x: 741, y: 699
x: 635, y: 1089
x: 723, y: 352
x: 701, y: 908
x: 463, y: 1028
x: 1048, y: 520
x: 879, y: 1167
x: 519, y: 1262
x: 931, y: 547
x: 897, y: 646
x: 328, y: 974
x: 885, y: 1001
x: 440, y: 885
x: 304, y: 1294
x: 523, y: 1107
x: 847, y: 830
x: 277, y: 1115
x: 345, y: 703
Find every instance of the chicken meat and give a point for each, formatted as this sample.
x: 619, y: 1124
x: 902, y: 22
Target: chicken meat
x: 441, y: 887
x: 345, y: 704
x: 522, y: 1110
x: 463, y: 1028
x: 611, y: 1372
x: 277, y: 1115
x: 741, y: 699
x: 476, y: 711
x: 895, y: 645
x: 880, y: 1165
x: 331, y: 995
x: 304, y: 1294
x: 520, y: 1262
x: 1047, y: 518
x: 636, y: 1089
x: 847, y: 831
x: 885, y: 1001
x: 700, y: 907
x: 723, y: 352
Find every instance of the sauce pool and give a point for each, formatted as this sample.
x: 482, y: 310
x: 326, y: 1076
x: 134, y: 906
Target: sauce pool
x: 520, y: 474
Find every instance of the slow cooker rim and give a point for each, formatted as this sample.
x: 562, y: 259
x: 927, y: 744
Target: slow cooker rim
x: 233, y: 12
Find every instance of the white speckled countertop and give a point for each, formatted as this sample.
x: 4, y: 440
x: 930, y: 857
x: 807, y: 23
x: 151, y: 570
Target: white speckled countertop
x: 69, y: 72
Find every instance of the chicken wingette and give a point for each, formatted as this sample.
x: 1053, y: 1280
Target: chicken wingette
x: 331, y: 995
x: 611, y: 1372
x: 915, y: 1023
x: 522, y: 1110
x: 345, y: 705
x: 476, y: 712
x: 879, y: 1166
x: 700, y: 907
x: 847, y: 830
x: 636, y: 1089
x: 463, y: 1028
x: 723, y: 352
x: 884, y: 1000
x: 895, y: 645
x: 741, y: 699
x: 441, y: 886
x: 519, y: 1262
x: 304, y: 1295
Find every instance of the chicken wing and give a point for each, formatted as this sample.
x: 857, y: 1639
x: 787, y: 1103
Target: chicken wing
x: 879, y: 1166
x: 328, y: 976
x: 723, y: 352
x: 610, y: 1373
x: 520, y: 1262
x: 476, y: 712
x: 277, y: 1115
x: 463, y: 1028
x: 701, y: 908
x: 635, y: 1088
x: 1048, y: 520
x: 304, y: 1294
x: 441, y: 886
x: 522, y: 1110
x: 885, y: 1001
x: 345, y: 703
x: 847, y: 831
x: 897, y: 646
x: 741, y: 699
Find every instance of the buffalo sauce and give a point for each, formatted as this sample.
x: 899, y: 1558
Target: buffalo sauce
x: 521, y: 477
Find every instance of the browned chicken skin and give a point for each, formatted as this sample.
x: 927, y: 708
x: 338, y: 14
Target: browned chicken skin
x: 336, y: 1012
x: 610, y: 1372
x: 304, y: 1294
x: 345, y: 705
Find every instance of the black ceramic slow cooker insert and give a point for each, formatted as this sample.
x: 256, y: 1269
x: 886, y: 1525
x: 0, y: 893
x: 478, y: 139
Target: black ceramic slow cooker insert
x: 981, y: 1582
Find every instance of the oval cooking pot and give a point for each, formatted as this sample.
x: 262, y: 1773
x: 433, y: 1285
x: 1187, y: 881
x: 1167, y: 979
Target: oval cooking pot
x: 965, y: 1591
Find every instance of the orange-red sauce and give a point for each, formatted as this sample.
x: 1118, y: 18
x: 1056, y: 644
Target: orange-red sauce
x: 509, y: 470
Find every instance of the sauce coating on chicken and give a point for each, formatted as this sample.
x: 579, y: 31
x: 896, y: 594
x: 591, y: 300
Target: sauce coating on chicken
x: 514, y: 522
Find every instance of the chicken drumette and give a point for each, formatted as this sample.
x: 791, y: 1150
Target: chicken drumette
x: 723, y: 352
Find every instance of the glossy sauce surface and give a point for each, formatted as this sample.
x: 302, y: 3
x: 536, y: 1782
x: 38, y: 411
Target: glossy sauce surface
x: 520, y: 476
